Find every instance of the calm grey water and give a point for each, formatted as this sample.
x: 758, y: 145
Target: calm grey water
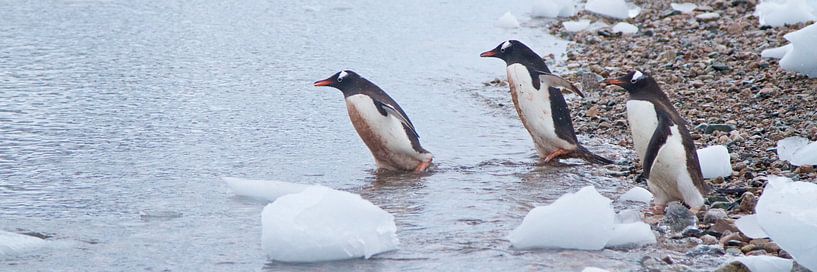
x: 118, y: 119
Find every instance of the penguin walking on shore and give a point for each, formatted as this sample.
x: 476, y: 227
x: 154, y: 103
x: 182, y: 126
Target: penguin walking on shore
x: 540, y: 105
x: 663, y: 143
x: 381, y: 123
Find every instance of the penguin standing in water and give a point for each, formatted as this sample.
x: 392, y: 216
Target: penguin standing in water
x: 540, y: 105
x: 663, y: 142
x: 381, y: 123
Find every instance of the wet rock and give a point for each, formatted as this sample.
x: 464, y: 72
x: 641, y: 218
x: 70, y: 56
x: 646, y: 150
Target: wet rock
x: 714, y: 215
x: 593, y: 111
x: 705, y: 250
x: 709, y: 239
x: 720, y: 66
x: 733, y: 267
x: 734, y: 243
x: 678, y: 217
x: 758, y: 252
x: 710, y: 128
x: 771, y: 247
x: 748, y: 202
x: 748, y: 248
x: 692, y: 232
x: 724, y: 225
x: 721, y: 205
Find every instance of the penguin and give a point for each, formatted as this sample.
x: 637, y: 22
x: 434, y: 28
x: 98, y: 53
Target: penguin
x: 540, y: 105
x: 663, y: 143
x: 382, y: 125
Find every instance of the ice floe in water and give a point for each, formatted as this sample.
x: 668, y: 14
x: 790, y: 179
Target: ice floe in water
x: 714, y: 161
x: 683, y: 7
x: 797, y: 150
x: 611, y: 8
x: 322, y: 224
x: 14, y: 243
x: 553, y: 8
x: 787, y: 212
x: 761, y: 263
x: 507, y: 21
x: 637, y: 194
x: 624, y: 28
x: 267, y: 190
x: 782, y: 12
x: 575, y: 26
x: 581, y: 220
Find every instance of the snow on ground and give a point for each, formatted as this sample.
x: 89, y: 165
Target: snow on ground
x: 576, y: 26
x: 611, y: 8
x: 624, y: 28
x: 637, y: 194
x: 683, y: 7
x: 507, y: 21
x: 787, y: 212
x: 781, y: 12
x: 797, y: 150
x: 13, y: 243
x: 553, y: 8
x: 322, y: 224
x: 582, y: 220
x: 714, y: 161
x: 267, y: 190
x: 763, y: 263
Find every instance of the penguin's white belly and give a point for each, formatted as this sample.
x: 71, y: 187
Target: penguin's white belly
x: 670, y: 173
x: 643, y: 120
x: 534, y: 109
x: 384, y: 135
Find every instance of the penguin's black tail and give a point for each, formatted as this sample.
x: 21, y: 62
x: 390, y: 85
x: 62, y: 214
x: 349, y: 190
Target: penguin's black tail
x: 586, y: 155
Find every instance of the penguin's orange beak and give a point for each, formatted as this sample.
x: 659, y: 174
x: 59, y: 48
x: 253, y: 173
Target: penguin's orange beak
x: 325, y: 82
x: 614, y: 81
x: 486, y: 54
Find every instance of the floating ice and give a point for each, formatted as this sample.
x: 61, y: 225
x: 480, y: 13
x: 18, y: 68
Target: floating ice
x: 782, y: 12
x: 714, y: 161
x: 625, y: 28
x: 581, y: 220
x: 553, y: 8
x: 684, y: 7
x: 777, y: 52
x: 637, y: 194
x: 594, y: 269
x: 762, y: 263
x: 507, y: 21
x: 631, y: 234
x: 797, y: 150
x: 749, y: 226
x: 802, y: 58
x: 787, y: 212
x: 611, y: 8
x: 575, y: 26
x: 321, y: 224
x: 268, y: 190
x: 13, y: 243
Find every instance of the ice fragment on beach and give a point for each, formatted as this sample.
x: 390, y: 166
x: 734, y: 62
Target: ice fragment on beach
x: 787, y: 212
x: 631, y: 234
x: 553, y: 8
x: 708, y: 16
x: 611, y: 8
x: 507, y: 21
x: 637, y: 194
x: 781, y: 12
x: 777, y: 52
x: 802, y: 58
x: 322, y: 224
x: 749, y: 226
x: 797, y: 150
x: 683, y: 7
x: 762, y: 263
x: 576, y: 26
x: 624, y: 28
x: 714, y: 161
x: 13, y: 243
x: 267, y: 190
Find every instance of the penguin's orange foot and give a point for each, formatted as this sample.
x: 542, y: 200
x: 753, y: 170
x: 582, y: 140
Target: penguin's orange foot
x: 555, y: 154
x: 658, y: 209
x: 422, y: 167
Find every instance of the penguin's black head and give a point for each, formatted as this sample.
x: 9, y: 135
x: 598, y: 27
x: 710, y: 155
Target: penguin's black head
x: 633, y: 81
x: 504, y: 50
x: 343, y: 80
x: 513, y: 51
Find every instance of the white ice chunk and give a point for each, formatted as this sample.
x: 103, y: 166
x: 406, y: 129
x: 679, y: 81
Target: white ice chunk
x: 781, y: 12
x: 631, y: 234
x: 597, y: 25
x: 797, y: 150
x: 802, y: 58
x: 581, y: 220
x: 13, y: 243
x: 576, y: 26
x: 268, y: 190
x: 611, y: 8
x: 507, y: 21
x: 777, y: 52
x: 787, y: 212
x: 594, y: 269
x: 749, y: 226
x: 714, y: 161
x: 683, y: 7
x: 628, y: 216
x: 625, y: 28
x: 553, y: 8
x: 763, y: 263
x: 322, y: 224
x: 637, y: 194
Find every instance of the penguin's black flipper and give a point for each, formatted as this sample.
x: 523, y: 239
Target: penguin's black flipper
x: 659, y: 138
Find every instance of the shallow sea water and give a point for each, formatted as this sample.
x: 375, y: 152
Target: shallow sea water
x: 118, y: 120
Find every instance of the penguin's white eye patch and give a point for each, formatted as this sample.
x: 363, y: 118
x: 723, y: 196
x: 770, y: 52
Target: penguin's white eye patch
x: 342, y: 75
x: 636, y: 76
x: 505, y: 45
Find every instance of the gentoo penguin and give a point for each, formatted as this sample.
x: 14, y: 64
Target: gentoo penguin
x: 381, y: 123
x: 663, y: 143
x: 540, y: 106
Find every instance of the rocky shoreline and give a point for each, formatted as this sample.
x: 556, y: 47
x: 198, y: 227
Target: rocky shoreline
x: 712, y: 70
